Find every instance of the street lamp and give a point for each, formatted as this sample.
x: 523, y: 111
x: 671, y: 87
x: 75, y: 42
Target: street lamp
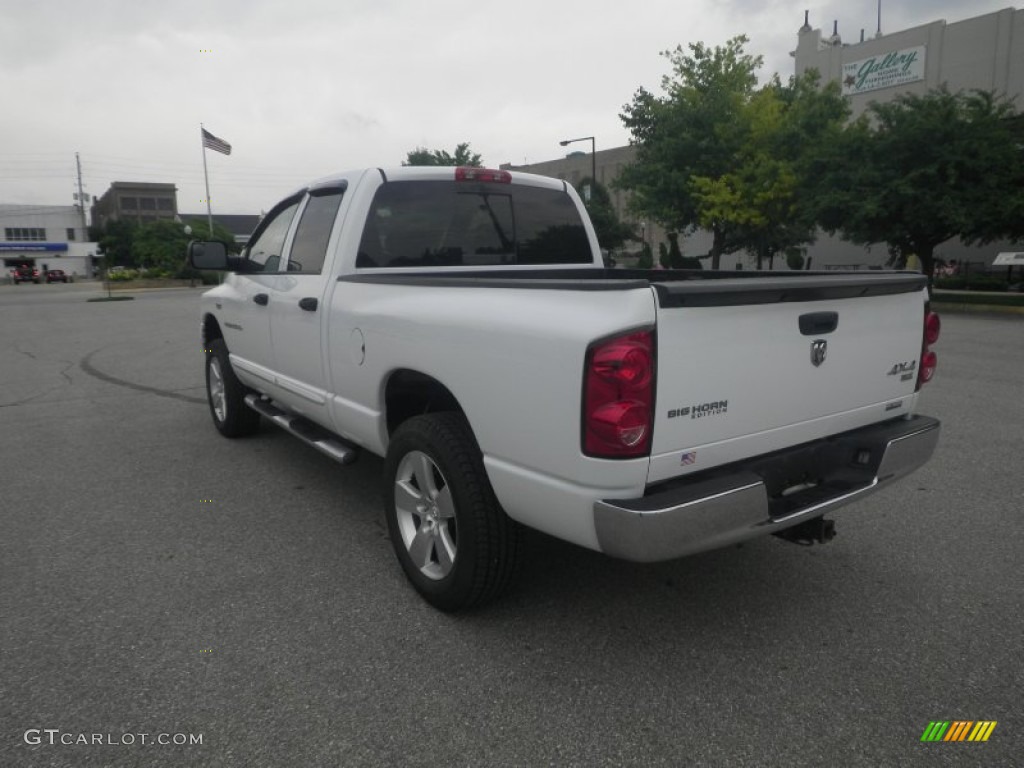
x: 593, y: 157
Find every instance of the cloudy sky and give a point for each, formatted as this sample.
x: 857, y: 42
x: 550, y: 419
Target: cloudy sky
x: 303, y: 88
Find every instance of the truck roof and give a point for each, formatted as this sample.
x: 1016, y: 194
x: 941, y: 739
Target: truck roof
x: 433, y: 172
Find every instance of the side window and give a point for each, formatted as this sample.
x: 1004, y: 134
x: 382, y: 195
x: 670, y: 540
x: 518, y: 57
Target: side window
x: 309, y: 247
x: 264, y: 253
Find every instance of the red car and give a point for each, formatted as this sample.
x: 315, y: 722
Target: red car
x: 56, y: 276
x: 25, y: 274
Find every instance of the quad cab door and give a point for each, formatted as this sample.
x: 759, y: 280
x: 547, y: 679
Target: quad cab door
x: 246, y: 307
x: 297, y: 307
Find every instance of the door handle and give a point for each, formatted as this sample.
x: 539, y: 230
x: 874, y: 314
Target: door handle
x: 818, y: 323
x: 309, y: 304
x: 261, y: 299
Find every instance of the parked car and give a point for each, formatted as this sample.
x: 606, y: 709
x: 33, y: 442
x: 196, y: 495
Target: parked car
x: 25, y: 274
x: 460, y: 323
x: 56, y: 276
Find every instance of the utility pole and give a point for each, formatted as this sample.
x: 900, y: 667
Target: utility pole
x: 81, y: 198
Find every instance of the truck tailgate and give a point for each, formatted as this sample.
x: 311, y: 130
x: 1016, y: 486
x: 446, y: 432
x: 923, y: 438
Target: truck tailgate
x: 749, y: 366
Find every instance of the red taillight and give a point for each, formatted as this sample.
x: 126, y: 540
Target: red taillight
x: 628, y: 362
x: 469, y: 173
x: 932, y: 327
x: 929, y: 360
x: 618, y: 396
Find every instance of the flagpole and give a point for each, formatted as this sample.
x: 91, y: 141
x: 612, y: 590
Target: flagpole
x: 206, y: 178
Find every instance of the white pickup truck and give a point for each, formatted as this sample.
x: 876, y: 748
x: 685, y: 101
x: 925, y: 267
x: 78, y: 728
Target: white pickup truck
x: 460, y: 323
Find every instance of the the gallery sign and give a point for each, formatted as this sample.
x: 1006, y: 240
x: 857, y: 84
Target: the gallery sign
x: 884, y: 71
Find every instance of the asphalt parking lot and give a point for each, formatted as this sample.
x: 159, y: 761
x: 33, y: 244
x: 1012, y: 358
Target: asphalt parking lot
x: 158, y: 579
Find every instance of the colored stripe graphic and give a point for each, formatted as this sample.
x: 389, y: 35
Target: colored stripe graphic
x: 958, y: 730
x: 982, y: 730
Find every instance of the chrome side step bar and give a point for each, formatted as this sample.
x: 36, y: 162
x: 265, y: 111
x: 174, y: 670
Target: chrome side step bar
x: 308, y: 432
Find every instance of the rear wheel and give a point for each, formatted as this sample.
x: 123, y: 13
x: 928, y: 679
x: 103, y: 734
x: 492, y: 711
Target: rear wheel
x: 454, y: 542
x: 226, y: 395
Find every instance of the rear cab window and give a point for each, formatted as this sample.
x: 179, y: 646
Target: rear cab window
x: 432, y: 223
x: 309, y: 245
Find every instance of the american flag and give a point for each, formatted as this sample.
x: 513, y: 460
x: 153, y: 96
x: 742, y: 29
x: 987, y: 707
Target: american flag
x: 217, y: 145
x: 688, y: 458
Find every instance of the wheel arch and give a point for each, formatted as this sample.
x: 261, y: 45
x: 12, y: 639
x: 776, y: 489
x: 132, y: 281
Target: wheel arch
x: 409, y: 393
x: 211, y: 329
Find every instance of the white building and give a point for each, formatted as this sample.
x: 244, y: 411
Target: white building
x: 981, y: 53
x: 46, y: 237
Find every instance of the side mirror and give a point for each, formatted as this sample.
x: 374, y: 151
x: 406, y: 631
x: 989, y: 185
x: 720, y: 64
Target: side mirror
x: 208, y: 255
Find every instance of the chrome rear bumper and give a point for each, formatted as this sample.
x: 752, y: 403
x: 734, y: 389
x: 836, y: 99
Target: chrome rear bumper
x: 746, y: 500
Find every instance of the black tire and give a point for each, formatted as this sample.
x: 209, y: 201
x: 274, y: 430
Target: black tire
x: 225, y: 395
x: 458, y: 554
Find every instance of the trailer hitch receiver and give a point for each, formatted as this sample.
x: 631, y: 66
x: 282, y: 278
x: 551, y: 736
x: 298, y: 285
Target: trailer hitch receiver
x: 818, y: 530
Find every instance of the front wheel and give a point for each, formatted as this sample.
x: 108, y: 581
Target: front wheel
x: 226, y: 394
x: 454, y: 542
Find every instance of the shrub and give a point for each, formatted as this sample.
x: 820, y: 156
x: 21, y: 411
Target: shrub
x: 961, y: 299
x: 986, y: 283
x: 971, y: 282
x: 646, y: 260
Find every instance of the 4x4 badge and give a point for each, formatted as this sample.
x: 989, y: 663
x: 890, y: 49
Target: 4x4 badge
x: 819, y: 348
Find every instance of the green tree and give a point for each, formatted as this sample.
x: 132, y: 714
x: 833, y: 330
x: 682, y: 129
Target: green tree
x: 611, y: 232
x: 463, y: 156
x: 162, y: 244
x: 114, y: 243
x: 201, y: 231
x: 696, y: 129
x: 922, y: 169
x: 760, y: 198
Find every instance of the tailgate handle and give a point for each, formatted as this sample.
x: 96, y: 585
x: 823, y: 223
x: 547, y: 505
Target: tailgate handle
x: 818, y: 323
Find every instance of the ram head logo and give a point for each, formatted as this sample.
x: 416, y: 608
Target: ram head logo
x: 819, y: 349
